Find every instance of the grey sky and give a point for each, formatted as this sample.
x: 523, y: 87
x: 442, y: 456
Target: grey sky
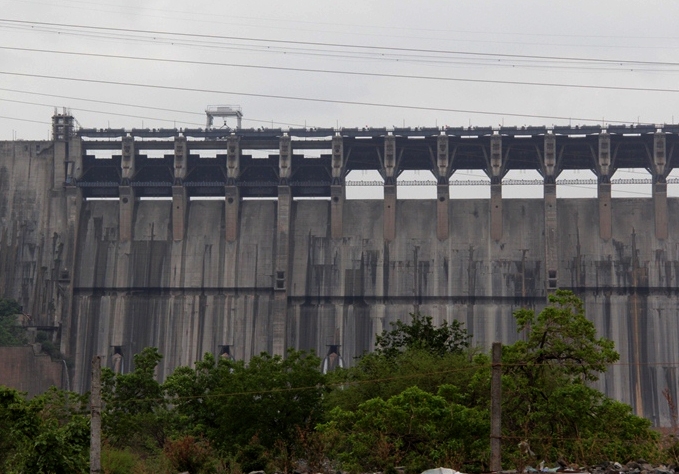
x: 609, y: 30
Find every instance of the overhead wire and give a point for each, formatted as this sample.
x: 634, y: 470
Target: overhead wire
x: 463, y: 39
x: 123, y: 104
x: 371, y: 26
x: 310, y: 99
x: 345, y: 383
x: 348, y: 73
x: 421, y: 59
x: 41, y: 122
x: 102, y: 112
x: 342, y: 45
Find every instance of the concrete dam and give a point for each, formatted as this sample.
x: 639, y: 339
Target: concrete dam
x: 214, y: 267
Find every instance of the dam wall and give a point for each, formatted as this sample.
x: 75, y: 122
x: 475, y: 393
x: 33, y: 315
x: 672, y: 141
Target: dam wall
x: 245, y: 274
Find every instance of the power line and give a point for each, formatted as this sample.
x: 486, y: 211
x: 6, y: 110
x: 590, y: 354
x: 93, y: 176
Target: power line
x: 123, y: 104
x: 24, y: 120
x: 371, y: 26
x: 390, y: 57
x: 171, y: 398
x: 349, y: 73
x: 465, y: 39
x: 101, y: 112
x: 343, y: 45
x: 310, y: 99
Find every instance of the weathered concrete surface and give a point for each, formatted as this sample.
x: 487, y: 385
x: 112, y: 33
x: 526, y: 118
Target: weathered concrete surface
x: 24, y: 370
x: 190, y: 296
x: 32, y: 224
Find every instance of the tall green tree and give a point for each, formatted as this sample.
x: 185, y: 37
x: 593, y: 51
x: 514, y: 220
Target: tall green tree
x: 546, y: 396
x: 135, y: 411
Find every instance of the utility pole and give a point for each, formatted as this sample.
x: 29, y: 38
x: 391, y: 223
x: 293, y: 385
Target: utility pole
x: 95, y: 420
x: 496, y: 408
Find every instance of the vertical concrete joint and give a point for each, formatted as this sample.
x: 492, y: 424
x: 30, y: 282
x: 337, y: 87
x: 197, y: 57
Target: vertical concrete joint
x: 282, y: 267
x: 232, y: 211
x: 179, y: 194
x: 551, y: 241
x: 126, y: 215
x: 67, y: 162
x: 337, y: 189
x: 551, y: 237
x: 73, y: 201
x: 660, y: 185
x: 604, y: 169
x: 389, y: 170
x: 75, y: 160
x: 496, y: 171
x: 73, y: 205
x: 231, y: 191
x: 442, y: 189
x: 179, y: 211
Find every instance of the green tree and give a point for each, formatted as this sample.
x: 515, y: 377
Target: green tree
x: 414, y: 429
x: 48, y: 434
x: 135, y: 412
x: 379, y: 376
x: 422, y: 334
x: 411, y: 402
x: 269, y: 399
x: 546, y: 399
x: 10, y: 333
x: 410, y: 354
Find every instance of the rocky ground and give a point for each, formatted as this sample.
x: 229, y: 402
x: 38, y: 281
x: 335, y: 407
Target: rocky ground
x: 632, y: 467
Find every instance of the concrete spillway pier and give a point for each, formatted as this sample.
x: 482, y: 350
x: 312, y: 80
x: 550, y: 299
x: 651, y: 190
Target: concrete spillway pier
x: 192, y: 276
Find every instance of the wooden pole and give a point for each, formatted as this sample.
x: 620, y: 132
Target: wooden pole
x: 95, y: 420
x: 496, y: 408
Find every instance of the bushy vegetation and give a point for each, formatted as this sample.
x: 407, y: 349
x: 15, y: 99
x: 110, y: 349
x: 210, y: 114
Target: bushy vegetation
x: 420, y: 400
x: 48, y: 434
x: 10, y: 333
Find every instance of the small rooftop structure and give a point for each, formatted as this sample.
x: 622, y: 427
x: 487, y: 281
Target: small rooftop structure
x: 223, y: 111
x: 62, y: 124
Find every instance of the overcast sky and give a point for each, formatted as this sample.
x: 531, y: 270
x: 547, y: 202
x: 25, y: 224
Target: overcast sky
x: 425, y: 38
x: 443, y: 52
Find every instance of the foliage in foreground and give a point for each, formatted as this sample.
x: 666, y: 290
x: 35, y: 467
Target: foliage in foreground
x: 546, y: 399
x: 421, y: 399
x: 48, y: 434
x: 414, y: 429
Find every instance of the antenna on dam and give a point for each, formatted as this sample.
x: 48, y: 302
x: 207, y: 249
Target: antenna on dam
x: 223, y: 111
